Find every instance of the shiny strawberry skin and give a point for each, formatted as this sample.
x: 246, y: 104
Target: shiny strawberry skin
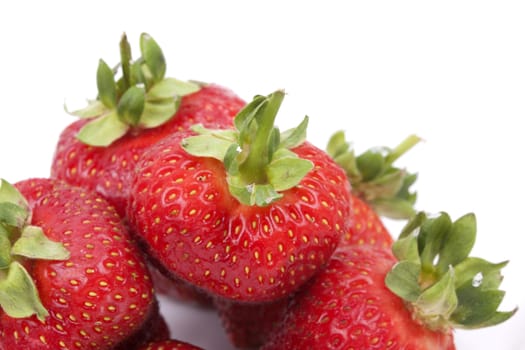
x: 170, y: 345
x: 367, y: 228
x: 348, y: 306
x: 98, y: 298
x: 199, y: 232
x: 108, y: 169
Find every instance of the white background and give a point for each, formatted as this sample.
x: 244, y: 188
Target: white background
x: 452, y: 72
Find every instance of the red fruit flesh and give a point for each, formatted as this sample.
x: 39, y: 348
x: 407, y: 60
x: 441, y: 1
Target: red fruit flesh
x: 249, y: 325
x: 367, y: 228
x: 348, y: 306
x: 170, y: 345
x: 108, y: 170
x: 198, y: 231
x: 98, y: 297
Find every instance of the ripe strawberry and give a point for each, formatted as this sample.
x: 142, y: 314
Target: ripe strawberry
x: 367, y: 298
x: 253, y: 228
x: 71, y: 277
x: 385, y: 190
x: 100, y: 151
x: 378, y: 188
x: 169, y: 345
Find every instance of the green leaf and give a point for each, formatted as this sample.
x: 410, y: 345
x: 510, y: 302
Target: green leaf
x: 370, y: 164
x: 206, y: 146
x: 107, y: 89
x: 18, y: 294
x: 459, y: 242
x: 93, y: 109
x: 103, y: 130
x: 13, y: 215
x: 294, y: 137
x: 158, y: 112
x: 170, y: 88
x: 403, y: 279
x: 9, y: 194
x: 34, y: 244
x: 413, y: 225
x: 406, y: 249
x: 285, y: 173
x: 337, y: 145
x: 5, y: 248
x: 439, y: 301
x: 131, y: 106
x: 394, y: 208
x: 153, y: 57
x: 433, y: 233
x: 478, y: 308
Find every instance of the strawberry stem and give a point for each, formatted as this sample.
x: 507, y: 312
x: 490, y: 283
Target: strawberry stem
x: 252, y: 169
x: 20, y: 241
x: 441, y: 284
x: 257, y: 157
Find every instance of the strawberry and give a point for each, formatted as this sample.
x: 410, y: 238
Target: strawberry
x: 246, y: 213
x: 385, y: 191
x: 169, y: 345
x: 100, y: 150
x: 369, y: 298
x: 248, y: 325
x: 71, y: 276
x: 378, y: 188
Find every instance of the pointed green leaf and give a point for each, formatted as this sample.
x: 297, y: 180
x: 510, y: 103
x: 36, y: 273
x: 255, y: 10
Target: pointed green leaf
x: 18, y: 294
x: 412, y: 227
x: 370, y: 164
x: 9, y: 193
x: 294, y: 137
x: 433, y: 233
x: 153, y: 57
x: 157, y: 112
x: 5, y: 248
x: 406, y: 249
x: 477, y: 307
x: 247, y: 114
x: 93, y: 109
x: 125, y: 62
x: 285, y: 173
x: 103, y: 130
x: 459, y: 242
x: 34, y: 244
x: 13, y: 214
x: 131, y: 106
x: 337, y: 145
x: 206, y: 146
x: 107, y: 89
x: 170, y: 88
x: 403, y: 279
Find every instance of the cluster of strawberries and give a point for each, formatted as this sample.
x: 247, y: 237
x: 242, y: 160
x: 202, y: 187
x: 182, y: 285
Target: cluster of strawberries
x: 182, y: 188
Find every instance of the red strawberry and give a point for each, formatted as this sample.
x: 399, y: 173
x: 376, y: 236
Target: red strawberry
x: 71, y: 277
x: 385, y: 189
x: 248, y: 325
x: 254, y: 228
x: 378, y: 188
x: 169, y: 345
x: 367, y: 298
x: 179, y: 290
x: 100, y: 152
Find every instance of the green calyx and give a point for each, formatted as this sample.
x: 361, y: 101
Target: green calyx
x: 257, y: 157
x: 374, y: 178
x: 140, y: 98
x: 441, y: 285
x: 20, y: 241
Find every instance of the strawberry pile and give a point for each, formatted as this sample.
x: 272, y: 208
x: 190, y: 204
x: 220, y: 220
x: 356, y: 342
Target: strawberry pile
x: 182, y: 188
